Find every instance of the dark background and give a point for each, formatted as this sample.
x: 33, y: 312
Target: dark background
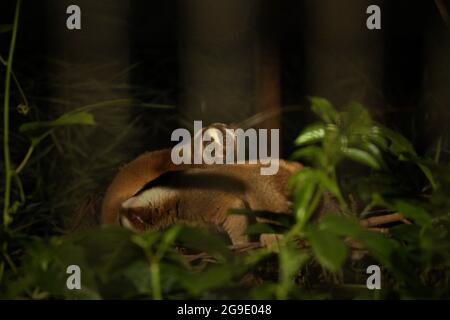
x: 155, y: 58
x: 153, y: 28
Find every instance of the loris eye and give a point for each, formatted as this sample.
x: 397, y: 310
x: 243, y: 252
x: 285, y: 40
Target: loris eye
x: 130, y: 219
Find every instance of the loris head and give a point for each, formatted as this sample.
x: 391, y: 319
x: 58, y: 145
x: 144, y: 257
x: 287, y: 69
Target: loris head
x: 209, y: 144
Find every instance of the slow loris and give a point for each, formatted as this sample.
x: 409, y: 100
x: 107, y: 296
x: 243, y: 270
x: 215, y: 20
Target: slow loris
x: 151, y: 193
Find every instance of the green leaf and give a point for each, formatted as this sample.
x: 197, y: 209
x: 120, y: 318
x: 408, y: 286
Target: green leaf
x: 303, y: 196
x: 412, y: 211
x: 375, y: 151
x: 404, y: 150
x: 361, y: 156
x: 329, y: 249
x: 283, y: 219
x: 312, y: 154
x: 398, y: 144
x: 268, y: 228
x: 375, y: 135
x: 378, y: 245
x: 324, y: 109
x: 168, y: 239
x: 291, y: 260
x: 326, y: 182
x: 217, y: 276
x: 84, y: 118
x: 139, y: 275
x: 39, y: 130
x: 427, y: 172
x: 340, y: 225
x: 202, y: 240
x: 146, y: 241
x: 311, y: 134
x: 406, y: 232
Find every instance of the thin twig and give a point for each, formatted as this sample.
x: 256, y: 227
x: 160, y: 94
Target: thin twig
x: 19, y: 87
x: 25, y: 160
x: 236, y: 248
x: 380, y: 220
x: 6, y: 151
x: 357, y: 248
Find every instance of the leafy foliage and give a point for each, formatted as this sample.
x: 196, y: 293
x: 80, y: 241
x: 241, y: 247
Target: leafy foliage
x: 313, y: 259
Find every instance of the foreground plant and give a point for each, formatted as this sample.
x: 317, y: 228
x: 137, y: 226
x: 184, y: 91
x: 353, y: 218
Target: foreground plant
x: 319, y: 257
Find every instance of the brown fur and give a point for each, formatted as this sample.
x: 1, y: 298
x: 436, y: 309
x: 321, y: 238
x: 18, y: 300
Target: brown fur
x: 132, y: 178
x: 135, y: 175
x: 204, y: 196
x: 152, y: 193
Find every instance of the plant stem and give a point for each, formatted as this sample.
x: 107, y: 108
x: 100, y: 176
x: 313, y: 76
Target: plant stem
x: 6, y: 152
x: 156, y: 285
x: 20, y: 187
x: 438, y: 150
x: 19, y: 87
x: 25, y: 160
x: 339, y: 196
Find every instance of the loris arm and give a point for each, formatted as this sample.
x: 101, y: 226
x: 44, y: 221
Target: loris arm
x: 132, y: 178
